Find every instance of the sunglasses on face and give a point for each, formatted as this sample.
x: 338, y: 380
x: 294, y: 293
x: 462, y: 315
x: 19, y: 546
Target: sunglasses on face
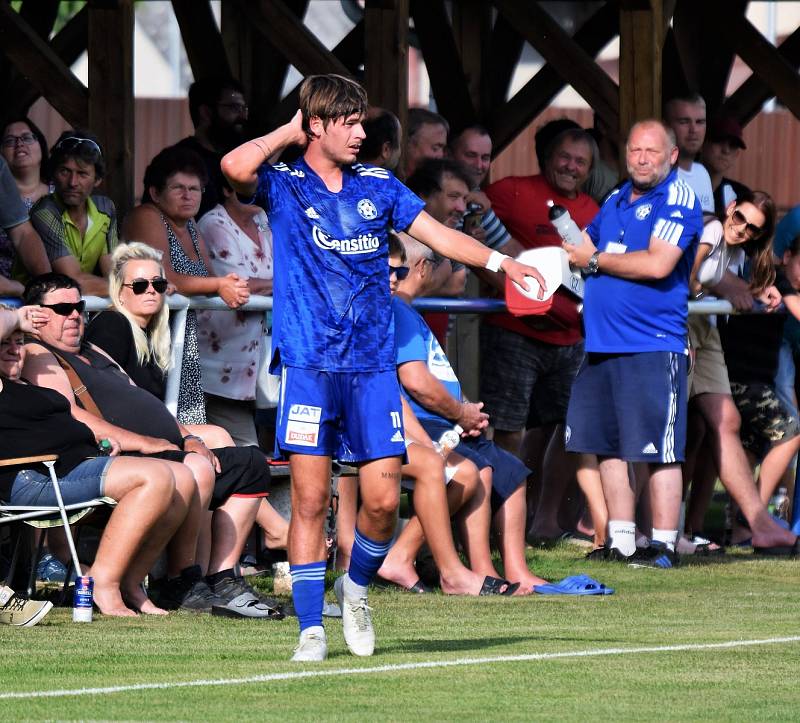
x: 139, y: 286
x: 65, y: 308
x: 739, y: 219
x: 400, y: 271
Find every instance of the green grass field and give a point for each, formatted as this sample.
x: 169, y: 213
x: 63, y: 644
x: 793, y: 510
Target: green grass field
x: 737, y: 598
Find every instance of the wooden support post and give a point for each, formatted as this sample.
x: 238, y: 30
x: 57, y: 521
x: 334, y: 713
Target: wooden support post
x: 111, y: 114
x: 386, y: 55
x: 641, y: 28
x: 472, y: 21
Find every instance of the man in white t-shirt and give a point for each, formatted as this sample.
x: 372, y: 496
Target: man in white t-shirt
x: 686, y: 115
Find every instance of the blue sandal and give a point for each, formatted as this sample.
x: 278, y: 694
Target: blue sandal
x: 574, y: 585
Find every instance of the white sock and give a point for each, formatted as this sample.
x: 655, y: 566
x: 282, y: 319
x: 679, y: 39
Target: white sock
x: 351, y: 589
x: 668, y: 537
x: 623, y: 536
x: 315, y: 629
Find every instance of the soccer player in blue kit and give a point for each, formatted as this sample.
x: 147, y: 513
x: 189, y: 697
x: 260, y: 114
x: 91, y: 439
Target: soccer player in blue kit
x: 333, y: 335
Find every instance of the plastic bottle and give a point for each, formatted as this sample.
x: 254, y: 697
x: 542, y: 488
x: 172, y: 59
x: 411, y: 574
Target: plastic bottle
x: 779, y: 504
x: 449, y: 440
x: 104, y: 448
x: 563, y: 223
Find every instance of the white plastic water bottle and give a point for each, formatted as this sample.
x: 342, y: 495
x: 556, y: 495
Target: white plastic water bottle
x: 448, y: 441
x: 563, y: 223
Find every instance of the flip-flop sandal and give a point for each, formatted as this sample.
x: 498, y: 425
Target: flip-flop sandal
x: 574, y: 585
x: 779, y: 550
x: 498, y: 586
x: 419, y: 587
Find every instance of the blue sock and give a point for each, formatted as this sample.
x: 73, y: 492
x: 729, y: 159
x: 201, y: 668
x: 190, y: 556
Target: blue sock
x: 308, y: 592
x: 366, y: 557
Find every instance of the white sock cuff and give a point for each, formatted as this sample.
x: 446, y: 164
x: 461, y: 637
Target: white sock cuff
x: 622, y: 534
x: 667, y: 537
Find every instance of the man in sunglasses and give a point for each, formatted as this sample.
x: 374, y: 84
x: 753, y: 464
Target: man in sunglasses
x: 78, y: 227
x: 105, y: 399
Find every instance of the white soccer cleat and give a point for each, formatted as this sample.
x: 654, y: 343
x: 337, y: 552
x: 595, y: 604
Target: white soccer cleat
x: 313, y: 646
x: 357, y: 622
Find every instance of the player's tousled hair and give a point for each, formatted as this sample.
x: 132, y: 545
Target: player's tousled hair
x: 156, y: 344
x: 759, y: 249
x: 329, y: 97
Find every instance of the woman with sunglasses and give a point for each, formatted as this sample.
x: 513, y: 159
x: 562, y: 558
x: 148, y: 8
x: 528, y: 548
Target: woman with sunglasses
x: 239, y: 240
x: 173, y: 184
x: 734, y: 261
x: 152, y: 496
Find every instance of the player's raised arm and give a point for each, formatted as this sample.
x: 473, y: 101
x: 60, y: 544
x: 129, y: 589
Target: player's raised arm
x: 240, y: 166
x: 460, y: 247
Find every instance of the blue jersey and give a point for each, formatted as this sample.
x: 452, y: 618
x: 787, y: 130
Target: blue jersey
x: 622, y: 315
x: 416, y: 342
x: 331, y: 278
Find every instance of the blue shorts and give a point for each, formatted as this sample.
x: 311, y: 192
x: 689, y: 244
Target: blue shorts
x: 508, y: 473
x: 352, y: 417
x: 81, y: 483
x: 630, y: 406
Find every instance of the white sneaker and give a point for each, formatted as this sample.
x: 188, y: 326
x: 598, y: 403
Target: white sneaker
x: 358, y: 631
x: 313, y: 646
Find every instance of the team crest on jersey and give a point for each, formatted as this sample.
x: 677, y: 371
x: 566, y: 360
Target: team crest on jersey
x: 312, y: 213
x: 643, y: 211
x: 366, y: 209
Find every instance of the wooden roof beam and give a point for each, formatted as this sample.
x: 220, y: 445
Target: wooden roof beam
x: 770, y: 65
x: 751, y: 95
x: 201, y: 38
x: 566, y: 57
x: 386, y: 55
x: 507, y: 121
x: 38, y: 62
x: 442, y: 61
x: 505, y: 48
x: 68, y: 44
x: 287, y: 33
x: 349, y: 52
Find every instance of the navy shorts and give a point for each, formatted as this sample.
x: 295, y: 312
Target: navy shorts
x: 352, y: 417
x: 81, y: 483
x: 508, y: 473
x: 630, y: 406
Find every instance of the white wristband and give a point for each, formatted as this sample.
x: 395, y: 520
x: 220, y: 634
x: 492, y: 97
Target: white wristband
x: 496, y: 260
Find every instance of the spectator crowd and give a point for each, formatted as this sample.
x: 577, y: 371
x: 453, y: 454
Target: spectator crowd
x: 608, y: 425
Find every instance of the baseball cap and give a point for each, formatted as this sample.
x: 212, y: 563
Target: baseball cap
x: 726, y: 127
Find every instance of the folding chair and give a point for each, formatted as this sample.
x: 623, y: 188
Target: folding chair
x: 44, y: 516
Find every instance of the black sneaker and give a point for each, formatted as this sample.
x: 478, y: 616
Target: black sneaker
x: 188, y: 592
x: 239, y: 600
x: 656, y: 554
x: 614, y: 554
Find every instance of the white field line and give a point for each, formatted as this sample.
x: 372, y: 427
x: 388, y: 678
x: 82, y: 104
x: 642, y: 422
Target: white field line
x: 296, y: 675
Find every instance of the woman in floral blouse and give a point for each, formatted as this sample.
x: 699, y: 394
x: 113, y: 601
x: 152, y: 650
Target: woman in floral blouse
x: 239, y: 241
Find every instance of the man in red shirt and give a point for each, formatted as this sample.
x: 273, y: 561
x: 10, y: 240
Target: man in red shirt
x: 527, y: 365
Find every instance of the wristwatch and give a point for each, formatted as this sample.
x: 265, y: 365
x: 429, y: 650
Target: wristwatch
x: 593, y: 264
